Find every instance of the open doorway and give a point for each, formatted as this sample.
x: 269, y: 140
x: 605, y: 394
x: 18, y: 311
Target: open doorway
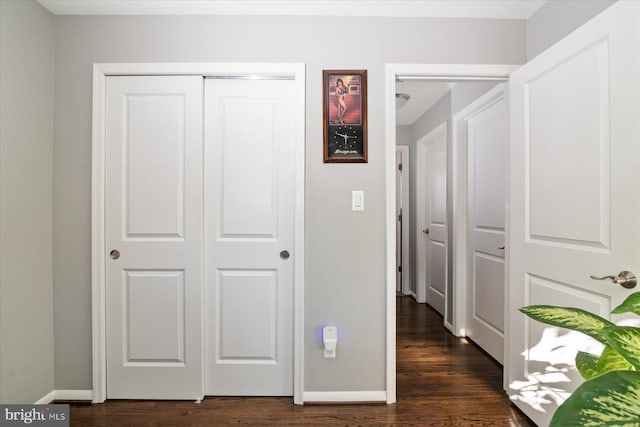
x: 432, y: 126
x: 546, y: 264
x: 482, y: 79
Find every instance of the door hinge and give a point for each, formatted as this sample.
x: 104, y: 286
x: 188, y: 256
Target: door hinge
x: 399, y: 269
x: 400, y: 217
x: 400, y: 166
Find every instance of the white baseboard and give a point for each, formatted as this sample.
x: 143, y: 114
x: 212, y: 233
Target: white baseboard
x: 344, y: 396
x: 413, y: 295
x: 307, y: 396
x: 46, y: 399
x: 65, y: 395
x: 74, y: 395
x: 449, y: 327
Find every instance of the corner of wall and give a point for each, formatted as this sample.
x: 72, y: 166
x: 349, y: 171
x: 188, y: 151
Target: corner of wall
x: 26, y: 162
x: 556, y: 19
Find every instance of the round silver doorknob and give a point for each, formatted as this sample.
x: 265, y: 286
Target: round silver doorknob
x: 284, y: 254
x: 114, y: 254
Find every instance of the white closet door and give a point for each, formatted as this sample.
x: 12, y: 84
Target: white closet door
x: 432, y: 211
x: 153, y: 232
x: 249, y: 193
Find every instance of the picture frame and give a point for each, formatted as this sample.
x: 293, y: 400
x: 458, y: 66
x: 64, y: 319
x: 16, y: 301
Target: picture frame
x: 344, y: 108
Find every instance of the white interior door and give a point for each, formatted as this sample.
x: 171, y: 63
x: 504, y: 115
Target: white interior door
x: 249, y: 200
x: 432, y: 203
x: 398, y: 220
x: 154, y: 222
x: 402, y: 220
x: 486, y: 142
x: 574, y: 172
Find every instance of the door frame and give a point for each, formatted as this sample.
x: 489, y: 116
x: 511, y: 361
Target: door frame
x: 461, y: 196
x: 406, y: 221
x: 294, y: 71
x: 439, y: 131
x: 428, y: 72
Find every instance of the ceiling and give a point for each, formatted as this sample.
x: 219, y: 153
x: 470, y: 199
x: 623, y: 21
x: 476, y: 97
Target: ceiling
x: 496, y: 9
x: 423, y: 95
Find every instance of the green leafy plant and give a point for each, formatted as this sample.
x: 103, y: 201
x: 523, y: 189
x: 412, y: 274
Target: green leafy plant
x: 610, y: 395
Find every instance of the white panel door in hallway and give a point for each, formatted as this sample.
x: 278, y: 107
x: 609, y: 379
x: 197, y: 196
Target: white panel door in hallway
x: 402, y: 220
x: 574, y: 199
x: 432, y: 211
x: 486, y: 144
x: 154, y: 237
x: 249, y: 205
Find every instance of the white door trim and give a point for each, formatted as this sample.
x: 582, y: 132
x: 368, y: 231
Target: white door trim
x: 439, y: 131
x: 460, y: 195
x: 433, y: 72
x: 294, y: 71
x: 406, y: 221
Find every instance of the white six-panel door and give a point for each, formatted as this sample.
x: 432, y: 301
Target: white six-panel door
x: 486, y: 142
x: 575, y: 204
x: 154, y: 237
x: 165, y: 216
x: 432, y: 235
x: 249, y: 205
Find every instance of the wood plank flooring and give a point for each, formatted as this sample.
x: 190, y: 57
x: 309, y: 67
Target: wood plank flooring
x: 441, y: 381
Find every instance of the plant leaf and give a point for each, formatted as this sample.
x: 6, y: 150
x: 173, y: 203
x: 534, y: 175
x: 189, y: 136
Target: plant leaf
x: 612, y: 399
x: 587, y: 364
x: 590, y: 366
x: 630, y: 305
x: 570, y: 318
x: 611, y: 360
x: 626, y: 341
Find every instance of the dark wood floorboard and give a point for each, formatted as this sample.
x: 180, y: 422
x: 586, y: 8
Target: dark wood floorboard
x: 441, y: 381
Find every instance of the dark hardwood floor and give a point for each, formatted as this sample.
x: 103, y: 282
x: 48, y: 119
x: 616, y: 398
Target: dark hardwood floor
x: 441, y: 381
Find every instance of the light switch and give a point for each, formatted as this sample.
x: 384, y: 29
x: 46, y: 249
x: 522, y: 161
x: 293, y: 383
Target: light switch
x: 357, y: 200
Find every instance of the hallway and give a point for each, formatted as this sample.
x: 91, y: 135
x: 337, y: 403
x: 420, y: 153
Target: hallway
x: 441, y: 381
x: 450, y: 379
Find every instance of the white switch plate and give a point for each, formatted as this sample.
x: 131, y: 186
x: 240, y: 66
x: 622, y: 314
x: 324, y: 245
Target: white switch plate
x: 357, y: 200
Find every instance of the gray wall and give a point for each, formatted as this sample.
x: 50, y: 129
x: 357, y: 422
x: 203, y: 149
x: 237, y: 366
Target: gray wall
x: 465, y: 93
x: 404, y: 135
x: 26, y: 146
x: 345, y: 274
x: 558, y: 18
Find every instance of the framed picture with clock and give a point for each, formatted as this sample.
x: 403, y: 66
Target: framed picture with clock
x: 345, y: 116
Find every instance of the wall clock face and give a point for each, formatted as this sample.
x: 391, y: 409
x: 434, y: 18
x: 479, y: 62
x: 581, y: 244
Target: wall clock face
x: 345, y: 140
